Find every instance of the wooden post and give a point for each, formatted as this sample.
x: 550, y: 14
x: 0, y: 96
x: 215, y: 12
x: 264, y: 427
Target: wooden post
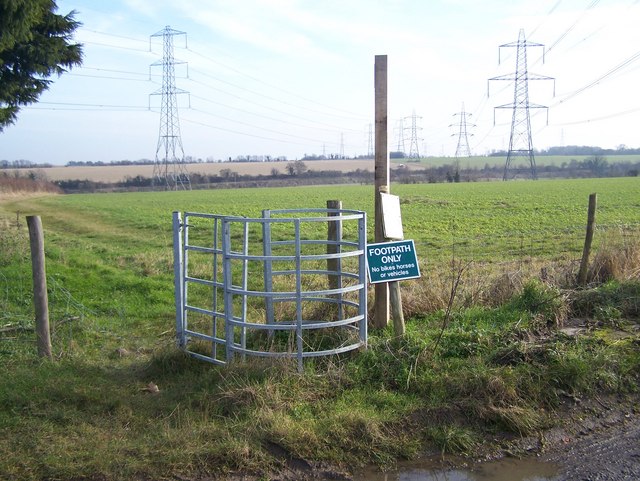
x: 381, y: 310
x: 395, y: 298
x: 586, y: 251
x: 40, y: 298
x: 396, y: 309
x: 334, y: 234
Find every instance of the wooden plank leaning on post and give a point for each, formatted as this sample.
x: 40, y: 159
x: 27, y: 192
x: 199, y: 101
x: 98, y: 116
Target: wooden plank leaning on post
x: 381, y: 175
x: 40, y: 297
x: 395, y: 297
x: 586, y: 251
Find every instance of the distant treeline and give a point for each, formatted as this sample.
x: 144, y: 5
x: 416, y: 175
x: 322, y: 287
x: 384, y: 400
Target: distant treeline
x: 227, y: 178
x: 577, y: 150
x: 299, y: 174
x: 565, y: 150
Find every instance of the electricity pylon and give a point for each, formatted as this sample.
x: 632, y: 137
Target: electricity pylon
x: 520, y: 142
x: 413, y: 143
x: 462, y: 150
x: 169, y: 169
x: 400, y: 129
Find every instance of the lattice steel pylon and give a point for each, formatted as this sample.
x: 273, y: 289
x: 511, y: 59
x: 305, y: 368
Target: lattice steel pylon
x: 462, y: 149
x: 400, y: 129
x: 414, y: 152
x: 520, y: 142
x: 169, y: 169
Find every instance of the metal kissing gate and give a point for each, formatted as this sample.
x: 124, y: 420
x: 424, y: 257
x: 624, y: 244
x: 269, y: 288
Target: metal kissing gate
x: 275, y: 286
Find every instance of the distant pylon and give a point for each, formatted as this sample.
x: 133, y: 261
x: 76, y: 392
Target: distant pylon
x: 342, y: 146
x: 414, y: 153
x: 400, y: 129
x: 520, y: 142
x: 370, y: 143
x: 169, y: 169
x: 463, y: 150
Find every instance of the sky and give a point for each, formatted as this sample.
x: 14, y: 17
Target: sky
x: 296, y: 77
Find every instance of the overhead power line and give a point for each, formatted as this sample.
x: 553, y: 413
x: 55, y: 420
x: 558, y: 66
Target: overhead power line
x: 595, y: 82
x: 288, y: 92
x: 77, y: 104
x: 597, y: 119
x: 338, y: 112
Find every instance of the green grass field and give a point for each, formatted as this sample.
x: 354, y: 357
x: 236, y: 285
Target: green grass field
x: 111, y: 254
x: 87, y: 415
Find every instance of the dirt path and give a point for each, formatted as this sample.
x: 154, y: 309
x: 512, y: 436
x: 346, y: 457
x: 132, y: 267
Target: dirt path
x: 599, y: 440
x: 605, y: 447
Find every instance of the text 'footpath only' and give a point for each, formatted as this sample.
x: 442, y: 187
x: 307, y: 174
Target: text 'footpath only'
x: 392, y: 261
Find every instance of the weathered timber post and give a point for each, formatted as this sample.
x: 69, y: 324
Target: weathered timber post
x: 395, y: 297
x: 381, y: 312
x: 334, y: 237
x: 586, y: 251
x: 396, y: 309
x: 40, y: 298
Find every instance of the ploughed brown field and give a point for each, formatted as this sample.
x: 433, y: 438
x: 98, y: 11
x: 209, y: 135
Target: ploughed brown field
x: 115, y: 173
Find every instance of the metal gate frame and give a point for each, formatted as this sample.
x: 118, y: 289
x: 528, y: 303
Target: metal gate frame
x: 231, y: 251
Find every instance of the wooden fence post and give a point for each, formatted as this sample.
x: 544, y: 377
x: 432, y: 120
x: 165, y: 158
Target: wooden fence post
x: 381, y: 175
x: 586, y: 251
x: 396, y: 309
x: 40, y: 298
x: 334, y: 234
x: 395, y: 298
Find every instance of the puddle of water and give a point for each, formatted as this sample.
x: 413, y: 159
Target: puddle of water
x: 501, y: 470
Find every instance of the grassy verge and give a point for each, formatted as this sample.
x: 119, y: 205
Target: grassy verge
x: 494, y: 371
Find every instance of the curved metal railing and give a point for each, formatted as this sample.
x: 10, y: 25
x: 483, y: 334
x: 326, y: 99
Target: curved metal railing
x: 277, y: 286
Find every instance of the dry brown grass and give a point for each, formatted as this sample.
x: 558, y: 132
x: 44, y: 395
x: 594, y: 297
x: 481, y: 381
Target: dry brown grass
x: 14, y: 187
x: 617, y: 258
x: 489, y: 284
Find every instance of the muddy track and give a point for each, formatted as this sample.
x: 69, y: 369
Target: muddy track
x: 605, y: 447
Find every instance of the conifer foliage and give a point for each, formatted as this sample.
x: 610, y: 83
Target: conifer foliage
x: 35, y: 44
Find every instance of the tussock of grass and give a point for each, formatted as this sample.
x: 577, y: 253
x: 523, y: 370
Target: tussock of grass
x: 453, y: 439
x: 609, y: 302
x: 618, y: 258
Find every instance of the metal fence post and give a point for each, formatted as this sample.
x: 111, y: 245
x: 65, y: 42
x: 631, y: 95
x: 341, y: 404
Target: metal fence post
x: 362, y: 273
x: 268, y: 267
x: 299, y: 339
x: 228, y: 294
x: 178, y: 277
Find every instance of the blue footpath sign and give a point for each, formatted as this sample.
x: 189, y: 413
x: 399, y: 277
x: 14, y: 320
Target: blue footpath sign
x: 392, y: 261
